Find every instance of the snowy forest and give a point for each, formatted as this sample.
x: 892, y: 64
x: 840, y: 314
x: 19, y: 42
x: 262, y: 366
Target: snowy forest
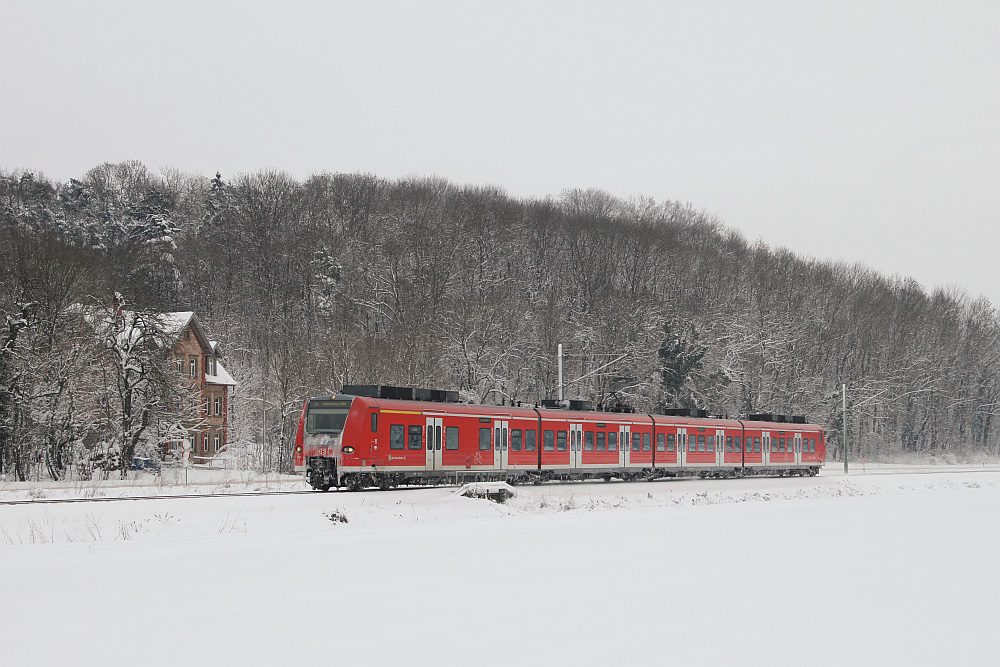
x: 354, y: 279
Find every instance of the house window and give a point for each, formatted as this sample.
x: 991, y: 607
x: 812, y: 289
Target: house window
x: 216, y: 443
x: 204, y: 443
x: 193, y: 367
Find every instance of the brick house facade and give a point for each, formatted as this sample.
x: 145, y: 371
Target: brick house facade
x: 198, y: 358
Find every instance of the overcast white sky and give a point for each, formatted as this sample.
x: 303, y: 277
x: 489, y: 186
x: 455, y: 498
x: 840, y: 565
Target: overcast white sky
x: 859, y: 130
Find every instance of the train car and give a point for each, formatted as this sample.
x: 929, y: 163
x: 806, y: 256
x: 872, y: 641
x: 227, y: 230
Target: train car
x: 388, y: 436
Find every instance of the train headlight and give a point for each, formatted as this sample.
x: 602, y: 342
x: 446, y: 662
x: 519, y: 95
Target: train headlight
x: 347, y: 449
x: 298, y: 449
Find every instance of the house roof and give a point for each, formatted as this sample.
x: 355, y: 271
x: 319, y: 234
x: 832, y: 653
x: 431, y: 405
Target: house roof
x: 174, y: 323
x: 221, y: 377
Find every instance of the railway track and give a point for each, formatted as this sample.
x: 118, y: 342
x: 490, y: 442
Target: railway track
x: 291, y: 492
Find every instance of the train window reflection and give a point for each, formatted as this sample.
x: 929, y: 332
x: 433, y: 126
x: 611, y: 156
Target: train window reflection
x: 326, y: 421
x: 396, y: 436
x: 415, y: 433
x: 451, y: 437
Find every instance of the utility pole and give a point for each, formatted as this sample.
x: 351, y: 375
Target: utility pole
x: 844, y: 387
x: 560, y: 373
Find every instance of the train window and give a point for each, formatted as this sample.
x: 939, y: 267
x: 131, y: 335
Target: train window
x: 374, y: 422
x: 602, y: 441
x: 635, y: 442
x: 550, y: 441
x: 515, y: 440
x: 670, y: 442
x: 529, y: 440
x: 661, y: 442
x: 645, y: 442
x: 560, y: 441
x: 756, y: 445
x: 496, y: 440
x: 736, y: 444
x: 781, y: 445
x: 729, y: 444
x: 701, y: 443
x: 812, y: 446
x: 396, y: 436
x: 322, y: 420
x: 588, y: 441
x: 692, y: 442
x: 415, y: 433
x: 613, y: 441
x: 451, y: 437
x: 711, y: 442
x: 484, y: 438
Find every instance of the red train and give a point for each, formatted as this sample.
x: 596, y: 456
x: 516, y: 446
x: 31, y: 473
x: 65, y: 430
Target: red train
x: 356, y: 441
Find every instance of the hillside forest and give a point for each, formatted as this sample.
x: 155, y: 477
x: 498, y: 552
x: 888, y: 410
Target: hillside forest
x: 351, y: 278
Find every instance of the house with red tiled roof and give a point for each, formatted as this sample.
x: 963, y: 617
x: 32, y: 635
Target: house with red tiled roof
x: 198, y: 358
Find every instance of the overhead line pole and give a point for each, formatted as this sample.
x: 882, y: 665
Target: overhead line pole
x: 844, y: 387
x: 560, y: 373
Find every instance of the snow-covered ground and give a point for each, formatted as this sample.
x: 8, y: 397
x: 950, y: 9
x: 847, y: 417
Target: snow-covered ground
x: 865, y: 569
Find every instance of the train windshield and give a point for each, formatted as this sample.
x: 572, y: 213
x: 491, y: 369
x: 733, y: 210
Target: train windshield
x: 327, y: 416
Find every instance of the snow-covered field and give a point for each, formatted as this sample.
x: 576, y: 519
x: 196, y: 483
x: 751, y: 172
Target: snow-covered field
x: 872, y: 568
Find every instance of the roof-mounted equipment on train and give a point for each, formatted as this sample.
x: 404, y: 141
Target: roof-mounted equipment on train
x: 572, y: 404
x: 400, y: 393
x: 780, y: 419
x: 686, y: 412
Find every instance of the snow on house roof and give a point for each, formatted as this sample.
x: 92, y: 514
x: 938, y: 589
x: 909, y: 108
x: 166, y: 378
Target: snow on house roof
x: 175, y: 322
x: 221, y: 377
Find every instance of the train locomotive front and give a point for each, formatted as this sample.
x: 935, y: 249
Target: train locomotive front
x: 326, y: 425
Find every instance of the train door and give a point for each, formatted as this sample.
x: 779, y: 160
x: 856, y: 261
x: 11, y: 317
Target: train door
x: 433, y: 440
x: 765, y: 448
x: 576, y: 445
x: 624, y: 444
x: 720, y: 447
x: 501, y: 435
x: 682, y: 447
x: 798, y: 448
